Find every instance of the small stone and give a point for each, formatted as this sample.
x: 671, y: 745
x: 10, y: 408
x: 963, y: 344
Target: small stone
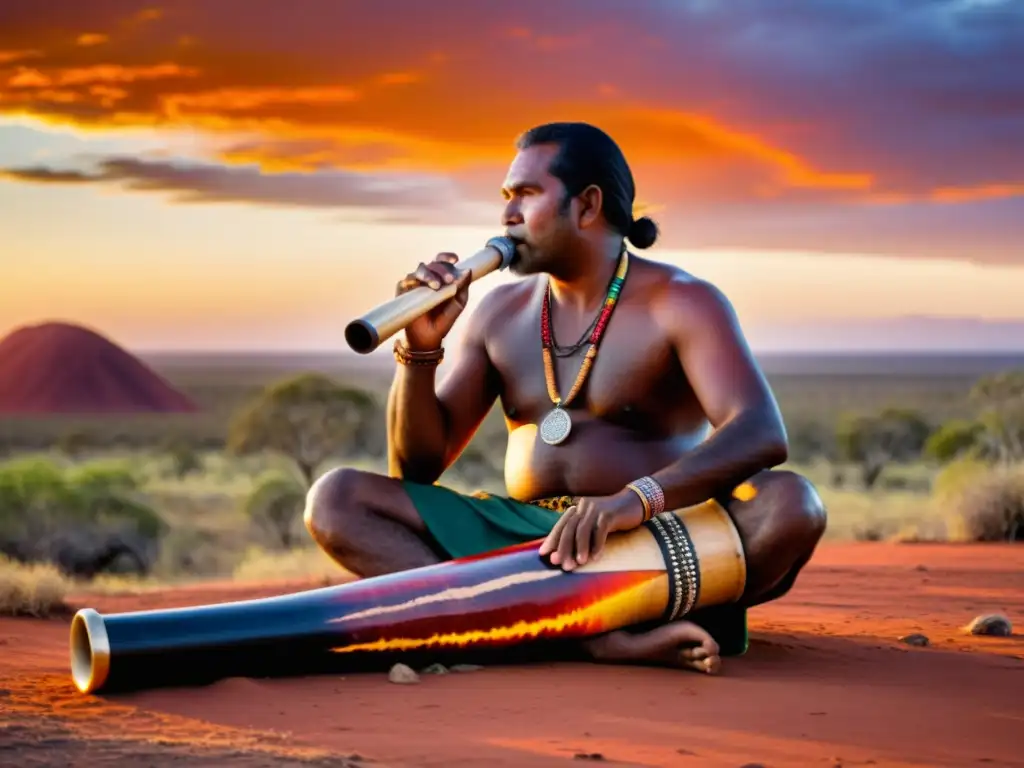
x: 435, y: 669
x: 588, y: 756
x: 916, y: 639
x: 922, y: 568
x: 990, y: 624
x: 465, y: 667
x: 403, y: 675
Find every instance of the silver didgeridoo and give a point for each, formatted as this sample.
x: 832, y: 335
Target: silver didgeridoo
x: 366, y: 333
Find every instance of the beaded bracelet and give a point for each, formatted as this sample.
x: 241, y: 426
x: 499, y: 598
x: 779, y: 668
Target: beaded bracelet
x: 406, y: 356
x: 651, y: 494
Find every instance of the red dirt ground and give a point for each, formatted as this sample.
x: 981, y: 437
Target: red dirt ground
x: 825, y: 683
x: 64, y: 368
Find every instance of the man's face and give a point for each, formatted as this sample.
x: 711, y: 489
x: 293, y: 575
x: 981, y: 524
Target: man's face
x: 534, y: 213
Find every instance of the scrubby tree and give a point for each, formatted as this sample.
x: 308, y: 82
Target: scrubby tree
x: 996, y: 434
x: 1000, y: 400
x: 275, y: 505
x: 875, y: 441
x: 307, y: 418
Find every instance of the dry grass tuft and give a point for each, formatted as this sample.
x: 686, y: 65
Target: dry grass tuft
x: 31, y: 590
x: 295, y: 564
x: 984, y: 503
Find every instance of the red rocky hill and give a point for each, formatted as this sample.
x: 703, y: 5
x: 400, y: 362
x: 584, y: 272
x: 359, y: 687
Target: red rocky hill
x: 65, y: 368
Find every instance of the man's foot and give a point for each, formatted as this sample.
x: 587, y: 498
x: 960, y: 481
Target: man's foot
x: 680, y: 644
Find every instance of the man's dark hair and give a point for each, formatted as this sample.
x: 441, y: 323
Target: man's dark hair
x: 587, y: 155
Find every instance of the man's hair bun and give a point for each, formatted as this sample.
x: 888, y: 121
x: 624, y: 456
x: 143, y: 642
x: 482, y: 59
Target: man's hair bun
x: 643, y: 232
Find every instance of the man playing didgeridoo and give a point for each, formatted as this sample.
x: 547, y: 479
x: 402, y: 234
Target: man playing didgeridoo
x: 646, y: 361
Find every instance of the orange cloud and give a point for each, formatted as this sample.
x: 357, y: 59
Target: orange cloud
x: 400, y: 78
x: 443, y: 118
x: 717, y: 122
x: 179, y: 106
x: 983, y: 192
x: 92, y: 38
x: 112, y: 73
x: 7, y: 57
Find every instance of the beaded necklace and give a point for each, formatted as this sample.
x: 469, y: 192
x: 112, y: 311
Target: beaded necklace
x: 557, y: 425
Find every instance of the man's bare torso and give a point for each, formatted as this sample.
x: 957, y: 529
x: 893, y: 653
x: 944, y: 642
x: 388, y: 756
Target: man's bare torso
x: 637, y: 412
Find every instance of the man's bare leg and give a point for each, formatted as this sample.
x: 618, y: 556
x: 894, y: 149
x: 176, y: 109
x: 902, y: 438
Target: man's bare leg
x: 780, y: 525
x: 367, y: 523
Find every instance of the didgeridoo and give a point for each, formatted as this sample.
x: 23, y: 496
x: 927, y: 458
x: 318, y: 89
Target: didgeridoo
x: 366, y: 333
x: 673, y: 564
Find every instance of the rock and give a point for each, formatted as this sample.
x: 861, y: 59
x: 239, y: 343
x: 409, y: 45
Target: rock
x: 465, y: 667
x: 916, y: 639
x: 434, y: 669
x: 588, y: 756
x: 990, y: 624
x: 403, y: 675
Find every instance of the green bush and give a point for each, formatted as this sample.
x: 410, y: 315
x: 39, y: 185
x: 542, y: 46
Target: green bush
x: 85, y: 519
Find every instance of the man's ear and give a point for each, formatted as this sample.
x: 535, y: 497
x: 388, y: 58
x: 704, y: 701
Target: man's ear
x: 590, y: 201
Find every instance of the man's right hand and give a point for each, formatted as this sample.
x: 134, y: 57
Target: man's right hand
x: 427, y: 332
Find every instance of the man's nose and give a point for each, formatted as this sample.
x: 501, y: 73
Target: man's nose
x: 511, y: 216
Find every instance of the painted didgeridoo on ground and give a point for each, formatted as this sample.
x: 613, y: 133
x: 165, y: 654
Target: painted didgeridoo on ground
x: 673, y: 564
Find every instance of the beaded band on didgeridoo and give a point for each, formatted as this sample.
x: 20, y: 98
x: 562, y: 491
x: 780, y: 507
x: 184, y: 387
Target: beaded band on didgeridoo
x: 680, y: 564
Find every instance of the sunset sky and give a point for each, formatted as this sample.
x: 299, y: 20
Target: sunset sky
x: 252, y: 174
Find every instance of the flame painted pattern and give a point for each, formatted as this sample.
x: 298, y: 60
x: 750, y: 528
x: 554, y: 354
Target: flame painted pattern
x: 509, y: 608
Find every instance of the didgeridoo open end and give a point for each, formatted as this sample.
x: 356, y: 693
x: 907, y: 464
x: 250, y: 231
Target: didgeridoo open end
x: 90, y: 651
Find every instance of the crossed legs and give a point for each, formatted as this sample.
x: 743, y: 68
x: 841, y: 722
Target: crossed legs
x: 368, y: 524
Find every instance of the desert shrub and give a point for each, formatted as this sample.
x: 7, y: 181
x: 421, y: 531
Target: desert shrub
x: 31, y: 589
x: 275, y: 505
x: 184, y: 457
x: 192, y: 551
x: 985, y: 502
x: 954, y: 439
x: 100, y: 477
x: 958, y: 475
x: 84, y: 519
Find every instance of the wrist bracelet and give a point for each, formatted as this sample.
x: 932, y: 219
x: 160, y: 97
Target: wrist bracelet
x: 406, y: 356
x: 651, y: 494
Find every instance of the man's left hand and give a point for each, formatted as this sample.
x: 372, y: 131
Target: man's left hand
x: 581, y: 531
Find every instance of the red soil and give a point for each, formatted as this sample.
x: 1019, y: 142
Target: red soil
x: 62, y: 368
x: 826, y: 683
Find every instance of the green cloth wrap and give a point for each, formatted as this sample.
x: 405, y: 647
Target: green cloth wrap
x: 472, y: 524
